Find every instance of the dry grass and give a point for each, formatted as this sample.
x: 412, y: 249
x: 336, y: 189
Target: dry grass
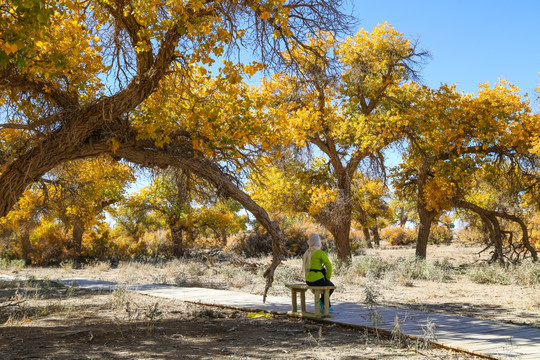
x: 454, y: 279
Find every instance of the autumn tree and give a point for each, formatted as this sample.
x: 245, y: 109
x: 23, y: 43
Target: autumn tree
x: 341, y: 105
x: 75, y: 194
x: 71, y: 82
x: 451, y: 137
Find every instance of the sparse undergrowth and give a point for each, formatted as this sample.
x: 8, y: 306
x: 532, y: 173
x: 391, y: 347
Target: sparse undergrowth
x: 446, y: 282
x: 48, y: 320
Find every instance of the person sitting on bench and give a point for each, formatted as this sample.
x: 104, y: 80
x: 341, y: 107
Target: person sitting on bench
x: 317, y: 267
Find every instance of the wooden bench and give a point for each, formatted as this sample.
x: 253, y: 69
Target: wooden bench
x: 317, y: 291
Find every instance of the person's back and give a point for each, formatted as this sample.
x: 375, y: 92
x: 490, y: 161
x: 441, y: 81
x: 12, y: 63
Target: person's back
x: 317, y: 266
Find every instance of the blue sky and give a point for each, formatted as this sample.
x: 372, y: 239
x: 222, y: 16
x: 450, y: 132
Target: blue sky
x: 471, y: 42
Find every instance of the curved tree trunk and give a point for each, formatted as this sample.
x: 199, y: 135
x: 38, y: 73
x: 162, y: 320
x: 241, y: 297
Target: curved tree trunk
x: 147, y: 154
x: 77, y: 125
x: 496, y: 237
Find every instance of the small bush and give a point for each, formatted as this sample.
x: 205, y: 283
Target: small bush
x: 527, y: 273
x: 398, y: 236
x: 406, y: 270
x: 524, y: 274
x: 370, y: 266
x: 11, y: 264
x: 489, y: 274
x: 440, y: 235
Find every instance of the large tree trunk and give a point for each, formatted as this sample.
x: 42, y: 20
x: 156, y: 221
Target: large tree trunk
x: 426, y: 215
x: 336, y: 218
x: 77, y: 125
x: 424, y: 227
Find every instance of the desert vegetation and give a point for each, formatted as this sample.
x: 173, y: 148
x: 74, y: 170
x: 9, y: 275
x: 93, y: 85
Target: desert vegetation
x: 212, y: 136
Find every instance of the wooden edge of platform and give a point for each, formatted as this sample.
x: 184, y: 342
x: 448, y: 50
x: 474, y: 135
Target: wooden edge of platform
x: 308, y: 315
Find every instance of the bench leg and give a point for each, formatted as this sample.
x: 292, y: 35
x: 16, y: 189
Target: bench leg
x: 303, y: 301
x: 317, y: 306
x: 326, y: 302
x: 294, y: 304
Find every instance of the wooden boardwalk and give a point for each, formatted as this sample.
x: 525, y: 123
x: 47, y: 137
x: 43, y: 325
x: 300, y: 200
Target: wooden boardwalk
x: 481, y: 337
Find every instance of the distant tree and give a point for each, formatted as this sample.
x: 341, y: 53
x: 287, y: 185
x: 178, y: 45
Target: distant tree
x: 451, y: 137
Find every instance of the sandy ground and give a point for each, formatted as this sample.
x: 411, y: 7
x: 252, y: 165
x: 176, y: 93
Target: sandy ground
x: 60, y: 323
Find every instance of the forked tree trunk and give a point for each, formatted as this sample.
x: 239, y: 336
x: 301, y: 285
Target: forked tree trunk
x: 77, y: 125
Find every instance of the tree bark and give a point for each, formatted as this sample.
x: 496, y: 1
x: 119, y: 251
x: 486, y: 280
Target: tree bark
x: 177, y: 236
x: 367, y: 236
x: 426, y: 215
x: 376, y: 236
x: 336, y: 218
x: 424, y: 227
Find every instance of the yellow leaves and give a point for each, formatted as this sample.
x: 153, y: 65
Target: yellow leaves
x: 259, y: 315
x: 319, y: 198
x: 10, y: 48
x: 265, y: 15
x: 115, y: 144
x: 253, y: 68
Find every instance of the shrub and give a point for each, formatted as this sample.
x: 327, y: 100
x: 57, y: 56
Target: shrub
x: 408, y: 269
x: 251, y: 244
x: 440, y: 235
x: 398, y: 236
x: 489, y: 274
x: 370, y: 266
x: 259, y: 243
